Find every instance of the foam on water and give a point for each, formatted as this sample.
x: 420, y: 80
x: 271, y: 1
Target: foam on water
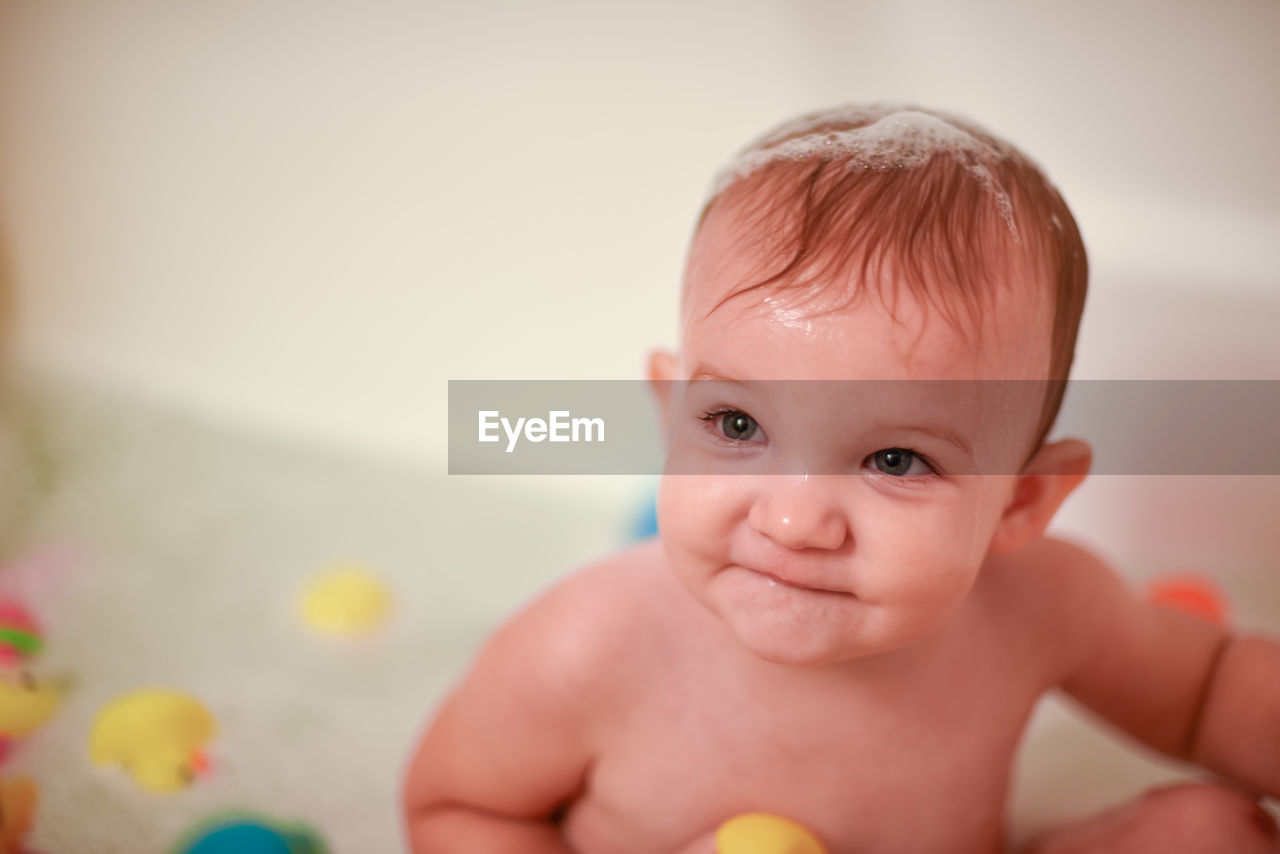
x: 883, y: 137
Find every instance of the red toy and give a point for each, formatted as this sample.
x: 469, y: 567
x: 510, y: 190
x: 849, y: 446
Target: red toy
x: 1191, y: 593
x: 19, y: 634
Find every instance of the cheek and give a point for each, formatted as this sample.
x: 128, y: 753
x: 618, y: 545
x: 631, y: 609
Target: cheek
x: 696, y: 513
x: 987, y: 497
x: 930, y: 556
x: 965, y: 525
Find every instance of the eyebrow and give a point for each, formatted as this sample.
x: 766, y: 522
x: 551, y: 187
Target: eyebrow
x: 705, y: 372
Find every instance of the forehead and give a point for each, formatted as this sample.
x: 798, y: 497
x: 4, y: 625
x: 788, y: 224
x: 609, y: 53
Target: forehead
x: 845, y: 327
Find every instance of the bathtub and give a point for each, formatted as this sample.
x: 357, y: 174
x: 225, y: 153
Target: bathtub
x: 1152, y: 525
x: 163, y: 548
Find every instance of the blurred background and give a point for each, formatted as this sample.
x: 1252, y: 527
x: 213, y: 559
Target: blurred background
x: 310, y: 216
x: 244, y: 246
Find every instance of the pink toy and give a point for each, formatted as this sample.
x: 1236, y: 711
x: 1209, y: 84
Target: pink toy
x: 19, y: 633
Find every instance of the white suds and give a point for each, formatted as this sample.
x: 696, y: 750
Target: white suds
x: 886, y: 137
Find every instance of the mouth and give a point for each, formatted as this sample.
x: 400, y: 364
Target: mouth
x: 796, y: 585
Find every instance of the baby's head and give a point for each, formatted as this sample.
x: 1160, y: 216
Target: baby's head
x: 867, y: 243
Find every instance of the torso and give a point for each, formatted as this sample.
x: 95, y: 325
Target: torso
x: 910, y: 752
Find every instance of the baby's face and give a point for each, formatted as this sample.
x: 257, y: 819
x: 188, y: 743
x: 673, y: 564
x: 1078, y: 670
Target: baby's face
x: 824, y: 521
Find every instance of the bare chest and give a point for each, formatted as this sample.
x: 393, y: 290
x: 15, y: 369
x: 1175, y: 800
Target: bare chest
x: 903, y: 764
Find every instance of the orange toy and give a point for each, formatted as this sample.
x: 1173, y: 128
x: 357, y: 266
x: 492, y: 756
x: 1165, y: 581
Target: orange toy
x: 1191, y: 593
x: 17, y: 811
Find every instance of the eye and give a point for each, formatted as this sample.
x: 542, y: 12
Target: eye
x: 734, y: 424
x: 900, y: 462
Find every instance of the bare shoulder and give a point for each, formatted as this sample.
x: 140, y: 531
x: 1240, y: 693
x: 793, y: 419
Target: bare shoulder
x: 1060, y: 568
x: 575, y: 633
x: 1138, y: 665
x: 517, y: 734
x: 1055, y: 594
x: 597, y: 608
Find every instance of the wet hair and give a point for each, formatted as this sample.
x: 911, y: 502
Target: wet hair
x: 918, y: 198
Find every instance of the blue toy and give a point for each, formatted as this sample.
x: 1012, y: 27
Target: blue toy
x: 249, y: 834
x: 645, y: 522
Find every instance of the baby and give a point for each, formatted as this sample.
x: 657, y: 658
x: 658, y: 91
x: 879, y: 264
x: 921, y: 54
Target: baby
x: 852, y: 609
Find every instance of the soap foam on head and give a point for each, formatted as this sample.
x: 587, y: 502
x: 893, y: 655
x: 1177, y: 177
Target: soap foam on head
x: 876, y: 137
x: 816, y: 219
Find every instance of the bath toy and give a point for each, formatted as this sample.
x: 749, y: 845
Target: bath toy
x: 19, y: 634
x: 1191, y: 593
x: 762, y: 833
x: 25, y: 704
x: 156, y: 735
x: 246, y: 833
x: 645, y: 523
x: 347, y: 600
x: 18, y: 800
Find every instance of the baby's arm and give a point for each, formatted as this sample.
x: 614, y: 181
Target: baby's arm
x: 1239, y: 733
x: 512, y: 745
x: 1176, y: 682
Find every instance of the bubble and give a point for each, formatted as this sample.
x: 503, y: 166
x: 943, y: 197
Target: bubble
x: 884, y: 138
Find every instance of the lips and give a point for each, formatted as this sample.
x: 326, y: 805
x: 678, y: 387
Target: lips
x: 791, y: 579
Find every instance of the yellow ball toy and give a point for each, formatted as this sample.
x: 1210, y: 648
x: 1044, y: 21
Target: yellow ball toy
x: 347, y: 600
x: 761, y: 833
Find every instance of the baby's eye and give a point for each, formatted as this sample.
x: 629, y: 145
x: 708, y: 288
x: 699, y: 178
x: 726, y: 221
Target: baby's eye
x: 734, y: 424
x: 899, y: 462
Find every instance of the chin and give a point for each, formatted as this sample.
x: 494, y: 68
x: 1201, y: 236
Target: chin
x: 804, y: 651
x: 798, y: 658
x: 796, y: 647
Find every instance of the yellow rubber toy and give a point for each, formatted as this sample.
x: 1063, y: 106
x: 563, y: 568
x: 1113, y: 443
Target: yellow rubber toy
x: 157, y: 735
x: 347, y: 600
x: 761, y: 833
x: 25, y: 705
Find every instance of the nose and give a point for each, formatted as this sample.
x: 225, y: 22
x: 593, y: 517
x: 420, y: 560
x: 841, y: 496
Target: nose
x: 801, y: 514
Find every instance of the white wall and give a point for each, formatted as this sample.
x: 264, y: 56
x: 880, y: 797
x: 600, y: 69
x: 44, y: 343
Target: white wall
x: 309, y: 216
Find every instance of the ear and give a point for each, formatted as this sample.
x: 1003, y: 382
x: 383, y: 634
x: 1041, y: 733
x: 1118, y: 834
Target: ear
x: 662, y: 369
x: 1042, y: 485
